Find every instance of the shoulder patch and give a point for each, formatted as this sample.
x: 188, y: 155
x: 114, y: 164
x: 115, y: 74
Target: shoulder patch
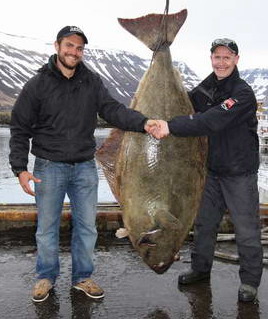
x: 228, y: 104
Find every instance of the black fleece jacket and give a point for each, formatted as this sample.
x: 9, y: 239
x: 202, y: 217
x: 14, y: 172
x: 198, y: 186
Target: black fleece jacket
x: 226, y: 113
x: 60, y: 115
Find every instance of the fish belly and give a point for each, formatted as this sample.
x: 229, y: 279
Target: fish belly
x: 160, y: 187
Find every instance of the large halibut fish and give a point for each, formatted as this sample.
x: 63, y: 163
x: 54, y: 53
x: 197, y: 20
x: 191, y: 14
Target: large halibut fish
x: 158, y: 183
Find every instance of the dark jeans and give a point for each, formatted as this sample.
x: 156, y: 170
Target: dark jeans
x: 238, y: 194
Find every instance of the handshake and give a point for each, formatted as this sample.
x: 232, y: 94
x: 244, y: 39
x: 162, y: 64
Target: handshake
x: 157, y: 128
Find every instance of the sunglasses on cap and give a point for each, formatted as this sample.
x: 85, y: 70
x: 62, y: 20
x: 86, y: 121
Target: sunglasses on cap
x: 228, y: 43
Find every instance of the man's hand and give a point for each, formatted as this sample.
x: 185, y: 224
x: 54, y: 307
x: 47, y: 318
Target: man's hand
x: 151, y: 126
x: 24, y: 178
x: 157, y: 128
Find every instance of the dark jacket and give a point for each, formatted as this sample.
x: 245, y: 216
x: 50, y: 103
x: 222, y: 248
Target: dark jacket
x: 226, y: 113
x: 60, y: 115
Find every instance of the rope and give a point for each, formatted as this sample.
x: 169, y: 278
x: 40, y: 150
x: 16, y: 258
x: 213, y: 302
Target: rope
x: 162, y: 37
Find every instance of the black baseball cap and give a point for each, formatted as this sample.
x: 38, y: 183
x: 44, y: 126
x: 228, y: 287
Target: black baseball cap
x: 228, y: 43
x: 69, y: 30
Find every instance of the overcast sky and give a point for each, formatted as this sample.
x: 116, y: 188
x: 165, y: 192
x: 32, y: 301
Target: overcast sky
x: 243, y: 20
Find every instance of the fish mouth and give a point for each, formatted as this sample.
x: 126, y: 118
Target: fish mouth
x: 147, y: 239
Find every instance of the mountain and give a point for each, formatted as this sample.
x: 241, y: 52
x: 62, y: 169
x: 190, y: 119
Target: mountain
x: 121, y: 71
x: 258, y: 79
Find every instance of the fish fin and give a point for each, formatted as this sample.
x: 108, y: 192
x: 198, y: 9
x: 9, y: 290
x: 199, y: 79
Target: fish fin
x: 154, y: 28
x: 166, y: 220
x: 106, y: 156
x: 121, y: 233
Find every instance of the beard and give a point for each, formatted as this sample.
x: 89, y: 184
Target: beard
x: 65, y: 64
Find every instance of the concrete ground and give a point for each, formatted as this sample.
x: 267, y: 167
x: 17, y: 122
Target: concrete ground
x: 132, y: 290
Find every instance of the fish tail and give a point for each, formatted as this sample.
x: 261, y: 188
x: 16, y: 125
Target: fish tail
x: 155, y: 30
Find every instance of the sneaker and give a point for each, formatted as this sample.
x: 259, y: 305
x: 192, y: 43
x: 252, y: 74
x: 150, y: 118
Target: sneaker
x: 247, y: 293
x: 41, y: 290
x: 90, y: 288
x: 192, y: 276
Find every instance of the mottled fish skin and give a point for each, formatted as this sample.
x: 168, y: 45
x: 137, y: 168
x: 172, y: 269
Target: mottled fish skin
x: 158, y: 183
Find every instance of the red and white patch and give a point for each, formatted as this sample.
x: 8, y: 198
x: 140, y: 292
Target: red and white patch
x: 228, y: 104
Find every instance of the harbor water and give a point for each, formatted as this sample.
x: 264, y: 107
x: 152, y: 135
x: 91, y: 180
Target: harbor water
x: 10, y: 190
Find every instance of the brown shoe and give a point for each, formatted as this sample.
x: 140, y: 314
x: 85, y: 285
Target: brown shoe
x: 90, y: 288
x: 41, y: 290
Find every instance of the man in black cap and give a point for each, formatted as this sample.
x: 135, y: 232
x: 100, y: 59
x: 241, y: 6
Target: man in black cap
x: 225, y: 108
x: 70, y: 30
x: 57, y: 109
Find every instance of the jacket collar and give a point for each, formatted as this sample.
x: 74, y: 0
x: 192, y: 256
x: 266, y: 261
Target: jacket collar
x: 212, y: 80
x: 210, y: 85
x: 51, y: 66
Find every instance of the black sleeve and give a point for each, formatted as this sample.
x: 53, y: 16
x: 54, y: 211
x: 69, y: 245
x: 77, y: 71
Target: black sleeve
x: 118, y: 114
x: 238, y: 108
x: 21, y: 129
x: 191, y: 95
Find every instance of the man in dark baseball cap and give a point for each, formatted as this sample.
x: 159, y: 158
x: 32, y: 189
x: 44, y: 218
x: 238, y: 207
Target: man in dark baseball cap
x: 70, y: 30
x: 225, y: 111
x: 59, y: 111
x: 228, y: 43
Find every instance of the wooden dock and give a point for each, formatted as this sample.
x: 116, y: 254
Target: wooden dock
x: 109, y: 216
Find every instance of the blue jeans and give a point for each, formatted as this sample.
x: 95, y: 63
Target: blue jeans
x: 80, y: 182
